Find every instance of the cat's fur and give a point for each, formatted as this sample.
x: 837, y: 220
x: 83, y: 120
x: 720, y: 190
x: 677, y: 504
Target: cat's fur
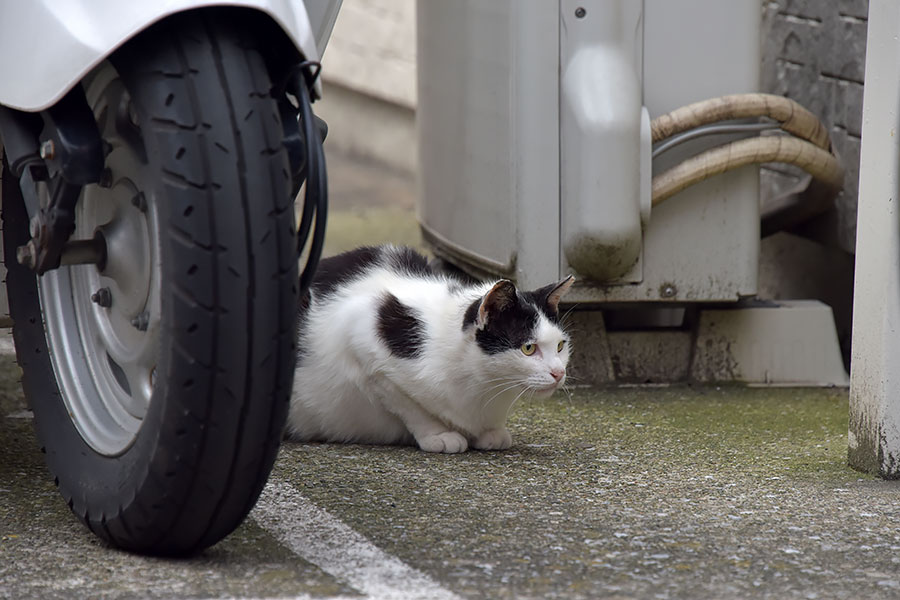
x: 391, y: 353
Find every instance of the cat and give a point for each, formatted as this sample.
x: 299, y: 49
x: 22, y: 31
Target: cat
x: 392, y: 352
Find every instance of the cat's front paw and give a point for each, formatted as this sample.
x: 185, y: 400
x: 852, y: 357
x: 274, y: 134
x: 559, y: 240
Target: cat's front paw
x: 494, y: 439
x: 448, y: 442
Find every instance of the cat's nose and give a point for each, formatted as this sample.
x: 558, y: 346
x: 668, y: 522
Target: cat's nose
x: 557, y: 374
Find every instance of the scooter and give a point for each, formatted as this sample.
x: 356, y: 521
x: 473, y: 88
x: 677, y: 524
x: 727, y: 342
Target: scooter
x: 152, y: 154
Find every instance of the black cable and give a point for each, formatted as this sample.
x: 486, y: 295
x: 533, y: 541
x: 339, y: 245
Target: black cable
x: 315, y: 200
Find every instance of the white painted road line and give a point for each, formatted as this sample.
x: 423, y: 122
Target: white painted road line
x: 300, y: 597
x: 331, y: 545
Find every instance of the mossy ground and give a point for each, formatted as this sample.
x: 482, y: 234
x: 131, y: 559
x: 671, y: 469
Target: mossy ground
x: 679, y: 491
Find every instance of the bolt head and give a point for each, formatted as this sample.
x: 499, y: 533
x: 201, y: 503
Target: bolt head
x: 26, y: 256
x: 668, y: 290
x: 102, y: 297
x: 141, y: 321
x: 580, y: 12
x: 48, y: 150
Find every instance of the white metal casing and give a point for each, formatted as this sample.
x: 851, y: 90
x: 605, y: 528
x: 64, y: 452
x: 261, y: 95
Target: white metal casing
x: 601, y: 122
x: 494, y: 137
x: 874, y: 431
x: 50, y: 45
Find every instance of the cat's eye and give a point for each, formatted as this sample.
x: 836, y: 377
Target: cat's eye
x: 528, y: 349
x: 560, y: 345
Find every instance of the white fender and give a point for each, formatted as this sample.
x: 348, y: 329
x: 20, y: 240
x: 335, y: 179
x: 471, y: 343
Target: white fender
x: 47, y: 46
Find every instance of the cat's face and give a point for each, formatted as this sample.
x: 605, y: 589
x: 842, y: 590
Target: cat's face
x: 540, y: 362
x: 520, y: 336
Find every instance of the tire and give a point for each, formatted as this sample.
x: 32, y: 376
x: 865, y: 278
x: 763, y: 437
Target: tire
x: 178, y: 391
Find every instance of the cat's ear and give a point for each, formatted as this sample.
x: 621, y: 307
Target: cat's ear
x: 501, y: 297
x: 555, y: 292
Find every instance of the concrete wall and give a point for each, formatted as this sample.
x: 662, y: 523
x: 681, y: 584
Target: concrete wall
x: 369, y: 68
x: 373, y: 50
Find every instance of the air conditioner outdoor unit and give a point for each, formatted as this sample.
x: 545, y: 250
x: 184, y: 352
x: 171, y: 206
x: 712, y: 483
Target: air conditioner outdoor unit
x: 537, y: 160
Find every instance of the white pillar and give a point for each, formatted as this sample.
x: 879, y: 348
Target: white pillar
x: 874, y: 436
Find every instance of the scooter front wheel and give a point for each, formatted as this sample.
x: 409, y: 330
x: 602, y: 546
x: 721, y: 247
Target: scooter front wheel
x: 160, y: 379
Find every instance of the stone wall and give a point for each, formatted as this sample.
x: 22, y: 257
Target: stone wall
x: 814, y: 52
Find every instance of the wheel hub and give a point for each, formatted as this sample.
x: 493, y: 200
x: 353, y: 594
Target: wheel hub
x: 102, y: 321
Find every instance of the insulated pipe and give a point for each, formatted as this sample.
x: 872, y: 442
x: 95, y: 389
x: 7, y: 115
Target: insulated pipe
x: 822, y: 165
x: 791, y: 116
x: 600, y: 118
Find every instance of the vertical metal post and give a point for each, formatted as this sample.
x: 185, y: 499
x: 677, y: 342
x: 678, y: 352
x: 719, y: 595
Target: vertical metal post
x: 874, y: 436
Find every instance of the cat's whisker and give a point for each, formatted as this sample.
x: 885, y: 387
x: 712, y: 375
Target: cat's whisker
x: 564, y: 320
x: 481, y: 389
x: 499, y: 382
x: 505, y: 387
x: 477, y: 382
x: 492, y: 398
x: 516, y: 399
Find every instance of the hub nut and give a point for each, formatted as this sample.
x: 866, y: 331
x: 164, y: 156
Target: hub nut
x: 48, y: 150
x: 102, y: 297
x: 141, y: 321
x: 27, y: 255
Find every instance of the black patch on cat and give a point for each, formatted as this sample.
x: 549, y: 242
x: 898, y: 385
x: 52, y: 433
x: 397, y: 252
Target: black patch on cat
x: 336, y: 270
x: 538, y: 298
x: 506, y: 329
x: 407, y: 261
x: 399, y: 328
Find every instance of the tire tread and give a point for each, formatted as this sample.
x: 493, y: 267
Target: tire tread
x: 208, y: 112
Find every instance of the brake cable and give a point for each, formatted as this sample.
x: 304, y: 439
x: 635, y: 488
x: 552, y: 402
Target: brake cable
x: 315, y: 201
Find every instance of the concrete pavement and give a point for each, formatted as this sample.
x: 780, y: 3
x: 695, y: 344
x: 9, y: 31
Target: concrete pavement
x: 630, y: 493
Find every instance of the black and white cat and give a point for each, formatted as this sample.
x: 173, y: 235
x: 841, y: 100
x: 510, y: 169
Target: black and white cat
x: 391, y: 352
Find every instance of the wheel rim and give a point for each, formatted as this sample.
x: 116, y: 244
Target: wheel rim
x: 104, y: 357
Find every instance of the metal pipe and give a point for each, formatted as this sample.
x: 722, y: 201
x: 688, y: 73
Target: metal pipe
x: 85, y: 252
